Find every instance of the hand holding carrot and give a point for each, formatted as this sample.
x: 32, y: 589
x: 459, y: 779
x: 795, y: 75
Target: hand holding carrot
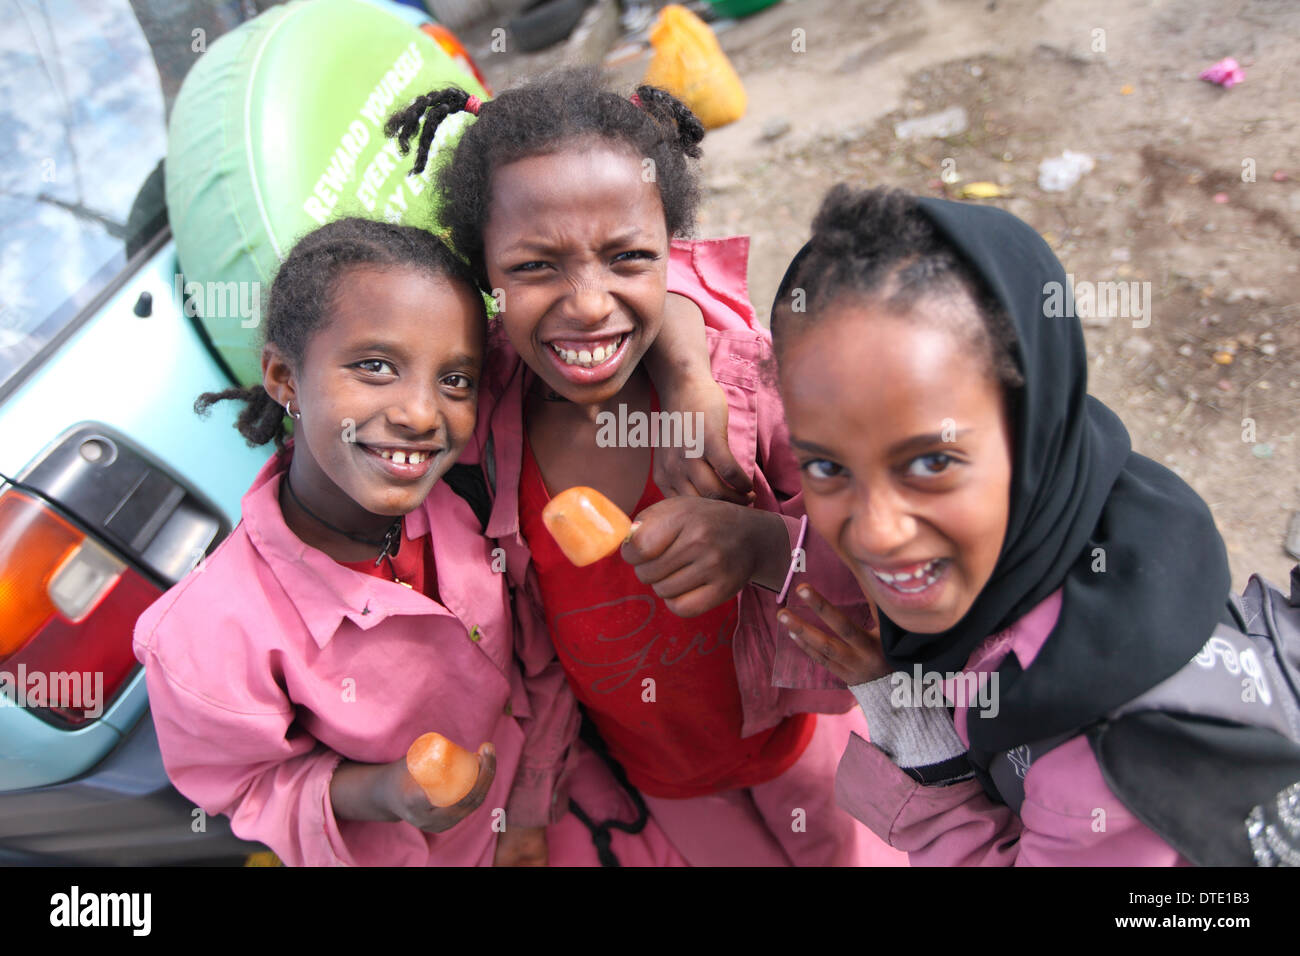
x: 435, y: 772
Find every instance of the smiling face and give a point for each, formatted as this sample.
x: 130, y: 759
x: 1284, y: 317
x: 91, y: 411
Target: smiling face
x: 904, y: 447
x: 576, y: 242
x: 387, y: 389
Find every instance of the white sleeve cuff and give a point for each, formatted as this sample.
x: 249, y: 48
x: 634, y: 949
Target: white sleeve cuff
x: 912, y: 735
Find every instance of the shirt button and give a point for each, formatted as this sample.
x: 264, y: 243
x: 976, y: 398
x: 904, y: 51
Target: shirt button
x: 474, y: 635
x: 509, y: 709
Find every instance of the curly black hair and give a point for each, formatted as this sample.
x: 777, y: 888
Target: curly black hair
x: 545, y: 116
x: 878, y: 243
x: 302, y: 294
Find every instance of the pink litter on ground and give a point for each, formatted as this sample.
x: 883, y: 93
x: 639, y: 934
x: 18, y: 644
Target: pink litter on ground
x: 1226, y: 73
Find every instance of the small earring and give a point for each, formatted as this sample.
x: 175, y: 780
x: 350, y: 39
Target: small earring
x: 288, y: 408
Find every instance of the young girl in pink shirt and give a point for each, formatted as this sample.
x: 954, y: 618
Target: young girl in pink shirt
x: 1032, y: 573
x: 355, y: 607
x: 566, y: 199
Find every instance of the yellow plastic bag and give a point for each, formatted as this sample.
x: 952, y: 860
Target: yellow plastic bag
x: 689, y: 64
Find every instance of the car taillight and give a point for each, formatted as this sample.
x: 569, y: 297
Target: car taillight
x: 456, y: 50
x: 67, y: 612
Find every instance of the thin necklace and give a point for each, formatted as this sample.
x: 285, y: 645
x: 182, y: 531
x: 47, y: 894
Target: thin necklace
x: 391, y: 537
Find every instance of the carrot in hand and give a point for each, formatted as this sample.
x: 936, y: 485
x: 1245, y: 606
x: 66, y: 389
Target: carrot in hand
x: 445, y: 771
x: 585, y: 524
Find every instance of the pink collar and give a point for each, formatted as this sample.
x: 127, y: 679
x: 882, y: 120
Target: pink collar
x: 322, y: 591
x: 1025, y: 638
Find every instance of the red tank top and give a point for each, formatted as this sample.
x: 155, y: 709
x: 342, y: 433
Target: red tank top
x: 661, y: 689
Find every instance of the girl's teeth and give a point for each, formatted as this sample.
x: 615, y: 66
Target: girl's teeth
x: 588, y: 358
x: 899, y: 581
x: 403, y: 458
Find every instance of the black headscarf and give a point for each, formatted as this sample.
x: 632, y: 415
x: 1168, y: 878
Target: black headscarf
x: 1076, y: 487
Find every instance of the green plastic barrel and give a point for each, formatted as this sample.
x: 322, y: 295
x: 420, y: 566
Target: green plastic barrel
x: 278, y: 129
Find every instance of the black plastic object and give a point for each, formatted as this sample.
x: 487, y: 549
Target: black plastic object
x: 144, y: 305
x: 122, y: 495
x: 546, y: 22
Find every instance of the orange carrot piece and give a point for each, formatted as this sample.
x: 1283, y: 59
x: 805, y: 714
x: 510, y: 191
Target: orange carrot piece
x: 446, y: 772
x: 585, y: 524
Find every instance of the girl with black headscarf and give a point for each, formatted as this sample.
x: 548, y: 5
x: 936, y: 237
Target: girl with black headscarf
x: 1016, y: 547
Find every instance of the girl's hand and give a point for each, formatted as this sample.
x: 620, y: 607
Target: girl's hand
x: 679, y: 366
x: 846, y: 650
x: 406, y: 799
x: 697, y: 553
x: 521, y: 846
x: 715, y: 473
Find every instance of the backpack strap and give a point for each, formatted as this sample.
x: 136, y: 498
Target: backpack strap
x: 1002, y: 772
x: 1007, y: 769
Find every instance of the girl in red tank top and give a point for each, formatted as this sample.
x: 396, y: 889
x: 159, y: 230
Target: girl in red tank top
x: 565, y: 199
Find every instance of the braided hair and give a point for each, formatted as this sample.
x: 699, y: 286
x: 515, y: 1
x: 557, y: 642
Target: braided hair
x: 877, y: 244
x: 545, y: 116
x: 302, y: 295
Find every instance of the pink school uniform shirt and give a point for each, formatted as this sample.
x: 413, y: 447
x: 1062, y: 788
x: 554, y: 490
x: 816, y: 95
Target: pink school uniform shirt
x: 776, y: 678
x: 271, y: 663
x: 1069, y: 816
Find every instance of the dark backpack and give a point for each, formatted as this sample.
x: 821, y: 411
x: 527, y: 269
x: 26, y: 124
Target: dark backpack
x: 1210, y: 757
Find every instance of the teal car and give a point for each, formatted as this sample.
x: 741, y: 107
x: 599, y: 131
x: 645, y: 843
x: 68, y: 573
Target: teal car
x: 159, y: 159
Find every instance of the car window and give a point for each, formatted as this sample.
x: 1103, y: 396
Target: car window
x: 87, y: 88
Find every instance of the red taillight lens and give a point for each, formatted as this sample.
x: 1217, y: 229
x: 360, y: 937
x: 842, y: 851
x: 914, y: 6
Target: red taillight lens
x: 456, y: 50
x: 67, y: 611
x: 34, y: 542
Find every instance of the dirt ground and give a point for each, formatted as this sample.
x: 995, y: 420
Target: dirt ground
x: 1196, y: 190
